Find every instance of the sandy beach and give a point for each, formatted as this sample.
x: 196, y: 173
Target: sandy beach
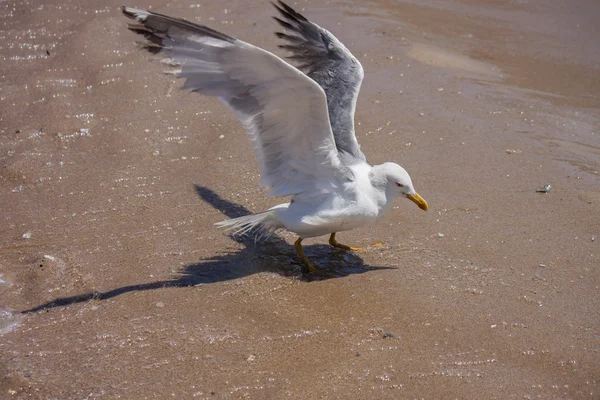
x: 115, y: 283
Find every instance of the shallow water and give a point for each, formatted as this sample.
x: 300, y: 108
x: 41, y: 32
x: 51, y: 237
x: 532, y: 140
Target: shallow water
x: 113, y: 178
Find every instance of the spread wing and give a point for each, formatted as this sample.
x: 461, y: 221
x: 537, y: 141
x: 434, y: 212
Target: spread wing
x: 326, y: 60
x: 283, y: 110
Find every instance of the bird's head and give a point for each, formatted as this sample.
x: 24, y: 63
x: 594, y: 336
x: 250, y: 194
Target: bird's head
x: 399, y: 182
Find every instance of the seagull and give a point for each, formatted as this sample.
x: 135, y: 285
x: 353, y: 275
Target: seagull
x: 300, y: 120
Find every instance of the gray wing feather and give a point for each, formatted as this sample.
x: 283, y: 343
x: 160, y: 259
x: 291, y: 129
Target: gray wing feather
x: 283, y: 110
x: 327, y: 61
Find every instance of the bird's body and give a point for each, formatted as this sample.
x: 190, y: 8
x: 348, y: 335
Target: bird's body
x: 348, y: 206
x: 300, y: 121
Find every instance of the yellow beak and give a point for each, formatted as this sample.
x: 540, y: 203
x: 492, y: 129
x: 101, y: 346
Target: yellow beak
x: 418, y: 200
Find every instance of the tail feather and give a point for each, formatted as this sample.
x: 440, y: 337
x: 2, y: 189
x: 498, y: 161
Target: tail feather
x: 261, y: 225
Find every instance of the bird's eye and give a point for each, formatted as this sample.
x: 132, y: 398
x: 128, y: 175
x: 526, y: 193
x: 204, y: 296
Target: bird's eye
x: 399, y: 184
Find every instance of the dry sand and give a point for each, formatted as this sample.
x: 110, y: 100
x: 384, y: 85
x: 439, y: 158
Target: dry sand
x: 115, y: 283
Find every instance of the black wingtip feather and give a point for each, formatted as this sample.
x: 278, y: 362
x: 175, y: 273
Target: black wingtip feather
x: 285, y: 24
x: 153, y: 48
x: 288, y: 12
x: 155, y: 24
x: 124, y: 11
x: 127, y: 13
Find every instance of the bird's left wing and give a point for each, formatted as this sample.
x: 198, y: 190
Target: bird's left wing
x: 283, y: 110
x: 325, y: 59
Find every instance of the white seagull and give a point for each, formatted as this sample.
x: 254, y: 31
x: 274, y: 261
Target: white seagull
x: 300, y: 121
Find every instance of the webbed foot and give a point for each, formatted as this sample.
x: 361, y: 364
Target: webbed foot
x: 337, y: 244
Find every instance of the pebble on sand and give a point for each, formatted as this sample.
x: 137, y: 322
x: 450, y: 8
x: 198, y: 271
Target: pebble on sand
x: 545, y: 189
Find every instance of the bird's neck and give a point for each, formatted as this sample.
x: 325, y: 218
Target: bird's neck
x: 385, y: 193
x: 378, y: 178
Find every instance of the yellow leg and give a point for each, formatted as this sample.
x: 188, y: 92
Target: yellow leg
x: 335, y: 243
x: 308, y: 266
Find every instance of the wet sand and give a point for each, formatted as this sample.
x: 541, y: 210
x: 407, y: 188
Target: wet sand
x: 115, y: 283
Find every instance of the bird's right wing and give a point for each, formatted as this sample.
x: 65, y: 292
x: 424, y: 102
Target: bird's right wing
x: 326, y: 60
x: 283, y: 110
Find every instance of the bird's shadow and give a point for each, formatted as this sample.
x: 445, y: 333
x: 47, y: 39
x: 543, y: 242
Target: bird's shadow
x: 273, y: 254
